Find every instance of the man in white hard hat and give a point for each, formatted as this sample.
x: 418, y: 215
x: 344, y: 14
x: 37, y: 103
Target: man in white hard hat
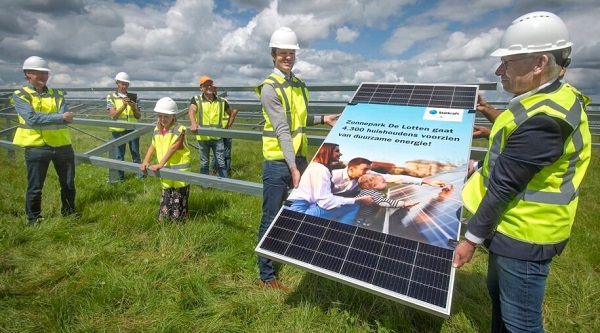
x: 524, y: 197
x: 284, y: 98
x: 43, y: 118
x: 124, y: 106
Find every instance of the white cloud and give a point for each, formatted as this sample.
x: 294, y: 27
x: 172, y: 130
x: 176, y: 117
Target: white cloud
x: 173, y: 43
x: 460, y: 47
x: 403, y: 38
x: 362, y: 76
x: 308, y: 71
x: 346, y: 35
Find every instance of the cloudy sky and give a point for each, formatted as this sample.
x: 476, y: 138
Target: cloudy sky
x: 344, y: 42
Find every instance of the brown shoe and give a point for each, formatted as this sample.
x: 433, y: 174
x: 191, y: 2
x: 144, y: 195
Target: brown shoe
x: 275, y: 284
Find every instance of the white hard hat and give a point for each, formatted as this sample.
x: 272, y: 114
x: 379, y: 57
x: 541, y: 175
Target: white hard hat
x: 122, y: 76
x: 36, y: 63
x: 534, y: 32
x: 166, y: 105
x: 284, y: 38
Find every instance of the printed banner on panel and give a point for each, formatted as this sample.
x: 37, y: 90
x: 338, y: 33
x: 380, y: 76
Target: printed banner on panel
x: 410, y: 161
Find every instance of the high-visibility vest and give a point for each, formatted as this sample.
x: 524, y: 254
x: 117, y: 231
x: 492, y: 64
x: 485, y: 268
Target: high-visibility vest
x: 294, y: 99
x: 55, y: 135
x: 180, y: 160
x: 209, y: 114
x: 544, y: 212
x: 225, y: 118
x: 127, y: 114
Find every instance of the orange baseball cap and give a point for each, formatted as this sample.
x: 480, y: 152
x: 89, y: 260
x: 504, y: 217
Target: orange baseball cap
x: 204, y: 79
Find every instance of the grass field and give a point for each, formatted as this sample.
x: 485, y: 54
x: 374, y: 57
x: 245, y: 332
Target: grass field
x: 117, y: 269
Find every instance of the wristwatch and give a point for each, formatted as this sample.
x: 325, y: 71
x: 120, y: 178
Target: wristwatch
x: 471, y: 243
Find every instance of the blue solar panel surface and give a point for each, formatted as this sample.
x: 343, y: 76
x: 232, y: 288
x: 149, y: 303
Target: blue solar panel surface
x: 403, y: 266
x: 454, y: 97
x: 404, y: 269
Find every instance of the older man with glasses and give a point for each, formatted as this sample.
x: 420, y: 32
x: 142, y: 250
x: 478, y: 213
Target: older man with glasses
x: 524, y: 197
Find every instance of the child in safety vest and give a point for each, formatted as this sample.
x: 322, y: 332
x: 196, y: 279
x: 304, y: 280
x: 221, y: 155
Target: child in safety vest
x: 171, y: 152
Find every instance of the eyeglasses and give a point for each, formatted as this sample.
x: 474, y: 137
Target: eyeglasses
x: 506, y: 62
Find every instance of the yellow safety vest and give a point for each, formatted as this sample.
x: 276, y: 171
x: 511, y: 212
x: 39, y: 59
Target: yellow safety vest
x: 36, y: 136
x: 180, y: 160
x: 294, y: 99
x: 209, y: 114
x: 225, y: 118
x: 545, y: 211
x: 127, y: 114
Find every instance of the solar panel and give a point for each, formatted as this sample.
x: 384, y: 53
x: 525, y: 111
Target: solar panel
x: 402, y: 254
x: 454, y: 97
x: 392, y: 266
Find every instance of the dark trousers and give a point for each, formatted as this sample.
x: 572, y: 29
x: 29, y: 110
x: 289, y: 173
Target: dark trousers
x: 276, y: 183
x: 37, y: 160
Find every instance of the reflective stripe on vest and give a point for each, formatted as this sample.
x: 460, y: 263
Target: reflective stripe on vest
x: 225, y: 117
x: 544, y: 212
x: 127, y: 115
x: 294, y: 99
x: 44, y: 127
x: 207, y: 115
x: 180, y: 160
x: 54, y: 135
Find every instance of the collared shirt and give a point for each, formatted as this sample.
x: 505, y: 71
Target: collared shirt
x: 517, y: 99
x: 283, y: 74
x: 341, y: 181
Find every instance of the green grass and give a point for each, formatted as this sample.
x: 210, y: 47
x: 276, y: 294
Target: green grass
x: 117, y: 269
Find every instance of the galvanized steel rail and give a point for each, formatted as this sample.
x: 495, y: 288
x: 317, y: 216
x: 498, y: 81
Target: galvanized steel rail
x: 89, y: 106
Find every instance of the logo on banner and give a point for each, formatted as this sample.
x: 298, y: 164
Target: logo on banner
x: 441, y: 114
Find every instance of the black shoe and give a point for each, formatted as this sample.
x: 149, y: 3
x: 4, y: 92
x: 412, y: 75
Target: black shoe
x: 73, y: 215
x: 35, y: 221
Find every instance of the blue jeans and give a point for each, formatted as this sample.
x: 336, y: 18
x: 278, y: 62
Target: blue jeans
x: 134, y: 148
x: 517, y: 289
x: 227, y: 143
x: 218, y: 149
x: 345, y: 214
x: 37, y: 160
x: 276, y: 180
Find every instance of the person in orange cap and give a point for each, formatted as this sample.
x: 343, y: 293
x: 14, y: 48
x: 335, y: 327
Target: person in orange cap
x: 209, y: 110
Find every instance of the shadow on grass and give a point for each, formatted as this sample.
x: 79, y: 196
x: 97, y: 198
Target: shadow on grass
x: 121, y: 192
x: 206, y: 203
x: 470, y: 297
